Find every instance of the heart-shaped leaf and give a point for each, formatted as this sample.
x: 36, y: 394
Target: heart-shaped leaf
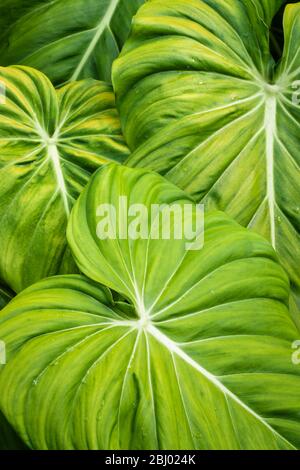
x: 199, y: 357
x: 50, y: 144
x: 203, y: 102
x: 81, y: 37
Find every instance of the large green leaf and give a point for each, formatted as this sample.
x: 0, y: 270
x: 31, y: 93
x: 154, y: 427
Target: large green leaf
x: 65, y: 39
x: 200, y: 357
x: 50, y: 144
x: 202, y: 102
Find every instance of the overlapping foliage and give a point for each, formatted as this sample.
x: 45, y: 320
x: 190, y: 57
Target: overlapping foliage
x: 204, y: 342
x: 142, y: 343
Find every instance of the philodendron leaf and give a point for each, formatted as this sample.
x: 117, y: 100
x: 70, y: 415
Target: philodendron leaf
x: 202, y: 101
x: 201, y: 360
x: 65, y: 39
x: 50, y: 144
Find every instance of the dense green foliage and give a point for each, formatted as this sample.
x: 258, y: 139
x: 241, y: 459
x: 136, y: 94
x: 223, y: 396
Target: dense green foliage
x: 131, y: 339
x: 205, y: 343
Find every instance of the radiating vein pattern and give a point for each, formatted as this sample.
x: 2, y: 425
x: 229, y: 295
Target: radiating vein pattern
x: 211, y: 331
x: 51, y: 142
x: 194, y: 354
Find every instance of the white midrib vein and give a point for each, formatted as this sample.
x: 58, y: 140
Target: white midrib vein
x: 60, y: 180
x: 270, y: 127
x: 104, y: 23
x: 50, y: 144
x: 175, y: 349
